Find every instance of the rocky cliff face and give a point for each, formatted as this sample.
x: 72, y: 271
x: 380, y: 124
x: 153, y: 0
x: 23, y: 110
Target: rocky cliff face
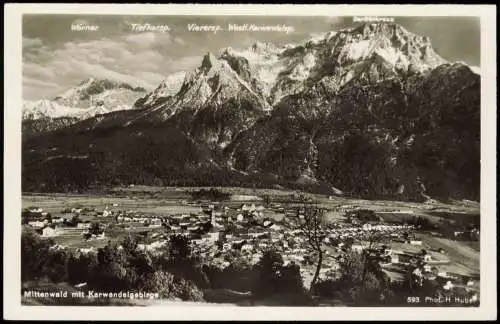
x: 371, y: 110
x: 165, y: 90
x: 213, y: 105
x: 372, y: 138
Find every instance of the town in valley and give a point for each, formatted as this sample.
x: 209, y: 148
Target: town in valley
x: 423, y: 243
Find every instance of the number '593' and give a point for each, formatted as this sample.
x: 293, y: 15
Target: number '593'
x: 413, y: 300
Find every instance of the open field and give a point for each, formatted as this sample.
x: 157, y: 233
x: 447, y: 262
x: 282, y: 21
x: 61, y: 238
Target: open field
x: 168, y: 200
x: 463, y: 257
x: 458, y: 256
x: 56, y: 203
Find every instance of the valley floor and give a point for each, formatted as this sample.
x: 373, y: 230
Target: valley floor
x: 460, y: 256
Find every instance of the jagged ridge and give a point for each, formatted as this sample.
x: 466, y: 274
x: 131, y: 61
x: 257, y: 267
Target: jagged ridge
x: 372, y: 110
x: 89, y: 98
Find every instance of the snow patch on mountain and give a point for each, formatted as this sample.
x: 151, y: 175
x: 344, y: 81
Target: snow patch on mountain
x: 357, y: 51
x: 95, y: 92
x: 89, y: 98
x: 212, y: 83
x: 373, y: 51
x: 167, y: 88
x: 475, y: 69
x: 47, y: 108
x: 264, y: 73
x: 264, y: 63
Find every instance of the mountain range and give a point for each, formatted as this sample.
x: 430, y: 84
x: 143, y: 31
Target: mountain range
x: 370, y: 111
x: 89, y: 98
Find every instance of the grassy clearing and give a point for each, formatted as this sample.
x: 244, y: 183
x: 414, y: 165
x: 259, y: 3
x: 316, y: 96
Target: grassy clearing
x: 458, y: 256
x: 56, y: 204
x: 462, y: 256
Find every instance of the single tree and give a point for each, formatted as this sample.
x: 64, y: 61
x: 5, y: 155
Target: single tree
x: 266, y: 199
x: 361, y: 280
x: 111, y: 272
x: 268, y: 273
x: 180, y: 249
x: 95, y: 229
x: 374, y: 243
x: 74, y: 220
x: 312, y: 228
x: 34, y: 253
x: 129, y: 244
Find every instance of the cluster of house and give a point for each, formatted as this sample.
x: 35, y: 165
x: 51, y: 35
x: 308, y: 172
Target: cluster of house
x: 154, y: 246
x: 253, y: 243
x: 425, y: 269
x: 49, y: 226
x: 245, y: 229
x: 132, y: 217
x: 219, y: 230
x: 189, y: 224
x: 360, y: 232
x: 472, y: 233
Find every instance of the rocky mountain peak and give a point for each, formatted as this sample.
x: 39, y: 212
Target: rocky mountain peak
x: 91, y: 89
x: 165, y: 90
x: 88, y: 98
x: 86, y: 82
x: 391, y: 42
x: 263, y: 47
x: 359, y: 109
x: 388, y: 29
x: 208, y: 61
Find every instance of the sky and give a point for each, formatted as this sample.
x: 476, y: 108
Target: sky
x: 55, y: 58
